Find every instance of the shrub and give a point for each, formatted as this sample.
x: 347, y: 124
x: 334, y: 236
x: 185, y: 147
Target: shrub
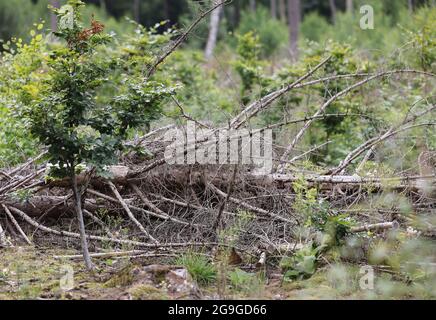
x: 198, y: 267
x: 272, y: 33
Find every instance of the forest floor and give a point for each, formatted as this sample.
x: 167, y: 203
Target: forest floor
x: 37, y: 273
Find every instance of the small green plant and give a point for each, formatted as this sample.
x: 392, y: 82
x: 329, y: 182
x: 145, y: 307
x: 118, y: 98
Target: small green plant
x: 67, y: 113
x: 198, y: 266
x: 248, y: 65
x: 323, y: 223
x: 302, y: 264
x: 244, y: 281
x: 272, y: 33
x: 23, y: 195
x: 230, y: 235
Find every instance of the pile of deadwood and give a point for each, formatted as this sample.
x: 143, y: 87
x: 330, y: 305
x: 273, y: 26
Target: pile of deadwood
x: 149, y: 206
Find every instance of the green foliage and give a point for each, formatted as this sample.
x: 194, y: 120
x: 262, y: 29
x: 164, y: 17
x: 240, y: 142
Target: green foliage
x: 230, y: 235
x: 302, y: 264
x: 317, y: 214
x: 201, y: 93
x: 244, y: 281
x: 423, y: 39
x: 15, y: 23
x: 272, y: 34
x: 66, y: 114
x: 248, y: 65
x: 328, y: 228
x: 314, y: 26
x: 198, y: 267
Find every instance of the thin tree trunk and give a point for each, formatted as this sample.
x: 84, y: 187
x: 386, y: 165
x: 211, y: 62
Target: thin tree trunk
x: 253, y: 5
x: 213, y: 33
x: 273, y: 9
x: 53, y: 18
x: 166, y: 9
x: 236, y: 13
x: 410, y: 4
x: 294, y: 17
x: 78, y: 208
x: 103, y: 5
x: 3, y: 240
x: 136, y: 7
x: 333, y: 10
x: 349, y: 6
x: 282, y: 10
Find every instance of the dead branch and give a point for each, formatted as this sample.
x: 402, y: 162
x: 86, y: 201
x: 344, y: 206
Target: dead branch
x: 15, y: 185
x: 24, y: 165
x: 15, y: 223
x: 149, y: 204
x: 129, y: 213
x: 156, y: 215
x: 256, y: 106
x: 217, y: 225
x: 130, y: 254
x: 375, y: 227
x: 100, y: 223
x: 334, y: 98
x: 372, y: 142
x: 248, y: 206
x: 183, y: 37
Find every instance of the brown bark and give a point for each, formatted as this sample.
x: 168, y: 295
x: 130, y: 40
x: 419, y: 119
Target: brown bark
x: 78, y: 208
x: 53, y: 18
x: 273, y: 7
x: 349, y: 6
x: 333, y: 10
x: 410, y: 5
x: 294, y: 19
x: 213, y: 33
x: 282, y: 10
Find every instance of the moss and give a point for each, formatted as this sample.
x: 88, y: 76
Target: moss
x: 121, y: 279
x: 147, y: 292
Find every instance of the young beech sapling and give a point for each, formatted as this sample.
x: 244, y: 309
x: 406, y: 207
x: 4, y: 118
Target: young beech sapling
x: 69, y: 118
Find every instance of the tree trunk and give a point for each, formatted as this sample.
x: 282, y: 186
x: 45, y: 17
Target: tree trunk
x: 53, y: 18
x: 136, y: 7
x: 273, y: 9
x: 253, y: 5
x: 78, y: 208
x: 282, y: 10
x: 333, y: 10
x: 410, y: 4
x: 349, y: 6
x: 213, y: 32
x: 103, y: 5
x: 236, y: 13
x: 294, y: 17
x: 166, y: 9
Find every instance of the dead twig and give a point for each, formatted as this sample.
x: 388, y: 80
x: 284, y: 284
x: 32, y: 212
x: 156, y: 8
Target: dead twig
x: 183, y: 37
x: 217, y: 225
x: 375, y: 227
x: 15, y: 223
x: 129, y: 213
x: 248, y: 206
